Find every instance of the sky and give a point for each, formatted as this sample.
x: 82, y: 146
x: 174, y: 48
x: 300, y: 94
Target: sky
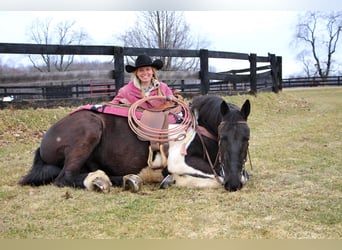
x: 255, y: 29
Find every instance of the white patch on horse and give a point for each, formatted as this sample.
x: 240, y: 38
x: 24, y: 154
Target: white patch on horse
x: 157, y: 161
x: 196, y: 182
x: 58, y: 139
x: 181, y: 171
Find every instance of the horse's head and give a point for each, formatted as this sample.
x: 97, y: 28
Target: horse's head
x: 233, y: 144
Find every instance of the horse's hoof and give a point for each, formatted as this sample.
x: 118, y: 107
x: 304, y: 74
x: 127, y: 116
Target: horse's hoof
x: 97, y: 181
x: 132, y: 182
x: 101, y: 185
x: 168, y: 181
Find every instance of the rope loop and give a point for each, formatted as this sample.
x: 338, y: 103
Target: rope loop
x: 173, y: 133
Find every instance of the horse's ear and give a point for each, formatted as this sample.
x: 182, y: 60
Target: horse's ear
x: 224, y: 108
x: 246, y: 109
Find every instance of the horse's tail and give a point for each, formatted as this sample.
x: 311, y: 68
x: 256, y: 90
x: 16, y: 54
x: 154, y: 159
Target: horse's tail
x: 40, y: 172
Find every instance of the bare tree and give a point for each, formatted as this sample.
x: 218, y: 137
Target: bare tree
x: 318, y: 32
x: 63, y: 33
x: 164, y: 30
x: 306, y: 62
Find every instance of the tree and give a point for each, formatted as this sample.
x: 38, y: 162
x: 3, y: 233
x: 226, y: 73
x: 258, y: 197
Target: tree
x: 163, y: 30
x: 319, y: 33
x: 63, y: 33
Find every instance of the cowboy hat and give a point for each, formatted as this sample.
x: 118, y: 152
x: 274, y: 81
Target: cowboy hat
x: 143, y: 61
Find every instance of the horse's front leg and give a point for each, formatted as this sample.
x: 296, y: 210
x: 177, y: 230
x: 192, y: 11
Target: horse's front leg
x: 188, y: 173
x: 187, y: 176
x: 70, y: 179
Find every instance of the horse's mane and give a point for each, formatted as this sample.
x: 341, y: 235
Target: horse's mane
x: 208, y: 108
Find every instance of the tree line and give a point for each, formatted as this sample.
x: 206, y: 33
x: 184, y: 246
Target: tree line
x: 316, y: 39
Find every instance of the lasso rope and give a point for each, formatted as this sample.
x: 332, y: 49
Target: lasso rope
x: 175, y: 133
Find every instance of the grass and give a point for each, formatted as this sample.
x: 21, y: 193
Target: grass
x: 295, y: 191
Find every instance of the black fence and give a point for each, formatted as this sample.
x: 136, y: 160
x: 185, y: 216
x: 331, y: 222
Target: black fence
x: 91, y: 83
x: 91, y: 88
x: 311, y: 82
x: 70, y: 89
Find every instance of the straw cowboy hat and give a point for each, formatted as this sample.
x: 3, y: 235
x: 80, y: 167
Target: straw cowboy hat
x: 143, y: 61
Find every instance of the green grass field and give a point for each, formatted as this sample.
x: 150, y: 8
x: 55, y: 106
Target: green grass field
x: 295, y: 190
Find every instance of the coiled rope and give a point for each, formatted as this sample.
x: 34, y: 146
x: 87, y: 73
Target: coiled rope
x: 177, y: 132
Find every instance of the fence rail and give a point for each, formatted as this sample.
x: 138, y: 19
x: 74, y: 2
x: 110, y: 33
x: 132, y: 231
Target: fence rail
x: 312, y: 81
x: 78, y: 83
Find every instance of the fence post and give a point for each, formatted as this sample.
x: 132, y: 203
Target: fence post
x: 204, y: 67
x: 273, y: 62
x: 91, y: 87
x: 182, y: 85
x: 118, y: 75
x: 280, y: 72
x: 253, y: 73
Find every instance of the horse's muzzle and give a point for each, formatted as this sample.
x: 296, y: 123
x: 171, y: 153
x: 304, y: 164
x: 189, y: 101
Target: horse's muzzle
x: 235, y: 184
x: 233, y: 187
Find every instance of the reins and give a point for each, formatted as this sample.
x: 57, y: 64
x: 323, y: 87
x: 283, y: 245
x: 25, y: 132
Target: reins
x: 212, y: 166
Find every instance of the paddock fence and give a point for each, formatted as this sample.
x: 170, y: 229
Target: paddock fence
x: 296, y: 82
x: 263, y: 74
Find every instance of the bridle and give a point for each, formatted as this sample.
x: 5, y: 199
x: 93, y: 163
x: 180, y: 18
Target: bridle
x: 202, y: 131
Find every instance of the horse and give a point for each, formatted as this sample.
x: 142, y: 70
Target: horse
x: 217, y: 151
x: 94, y: 150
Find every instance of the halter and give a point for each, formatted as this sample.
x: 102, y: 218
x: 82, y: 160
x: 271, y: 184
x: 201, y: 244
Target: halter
x: 202, y: 131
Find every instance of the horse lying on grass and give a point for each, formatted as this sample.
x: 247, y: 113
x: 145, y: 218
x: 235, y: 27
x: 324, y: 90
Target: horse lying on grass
x: 94, y: 150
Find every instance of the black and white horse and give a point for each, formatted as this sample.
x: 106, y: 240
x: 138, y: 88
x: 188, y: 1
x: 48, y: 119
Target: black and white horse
x: 216, y: 148
x: 90, y: 149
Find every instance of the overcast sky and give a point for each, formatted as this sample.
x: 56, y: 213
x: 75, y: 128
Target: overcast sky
x: 237, y: 29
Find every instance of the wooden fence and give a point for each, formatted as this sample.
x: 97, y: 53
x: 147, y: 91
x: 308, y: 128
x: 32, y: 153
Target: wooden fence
x: 311, y: 82
x: 86, y: 83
